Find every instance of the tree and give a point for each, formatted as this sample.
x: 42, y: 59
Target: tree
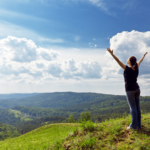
x: 71, y: 119
x: 85, y: 116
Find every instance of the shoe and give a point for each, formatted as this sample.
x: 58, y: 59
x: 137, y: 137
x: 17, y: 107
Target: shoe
x: 128, y: 128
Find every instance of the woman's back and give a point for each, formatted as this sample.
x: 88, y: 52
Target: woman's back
x: 130, y: 78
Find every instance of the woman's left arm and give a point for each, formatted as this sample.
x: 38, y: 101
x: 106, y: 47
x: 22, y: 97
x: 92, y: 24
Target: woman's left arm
x: 117, y: 60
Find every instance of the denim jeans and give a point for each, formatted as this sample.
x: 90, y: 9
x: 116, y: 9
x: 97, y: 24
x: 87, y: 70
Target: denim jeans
x: 133, y: 98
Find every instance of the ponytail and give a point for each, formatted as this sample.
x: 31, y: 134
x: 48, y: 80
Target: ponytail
x: 136, y: 66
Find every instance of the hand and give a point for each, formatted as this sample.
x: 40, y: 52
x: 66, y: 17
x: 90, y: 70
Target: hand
x: 145, y: 54
x: 110, y: 51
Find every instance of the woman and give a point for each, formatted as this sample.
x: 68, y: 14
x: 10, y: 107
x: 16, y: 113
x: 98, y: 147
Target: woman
x: 132, y: 88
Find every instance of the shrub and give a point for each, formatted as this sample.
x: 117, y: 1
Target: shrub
x: 88, y: 142
x: 85, y: 116
x: 71, y: 119
x: 101, y: 128
x: 88, y: 126
x: 75, y: 131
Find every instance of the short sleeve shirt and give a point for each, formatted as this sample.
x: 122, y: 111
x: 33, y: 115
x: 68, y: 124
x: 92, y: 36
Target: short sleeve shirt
x: 130, y: 78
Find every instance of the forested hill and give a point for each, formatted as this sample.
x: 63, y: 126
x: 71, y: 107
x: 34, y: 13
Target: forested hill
x: 57, y: 99
x: 16, y: 95
x: 7, y: 131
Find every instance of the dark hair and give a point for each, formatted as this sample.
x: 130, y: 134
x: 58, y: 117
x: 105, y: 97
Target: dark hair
x: 133, y: 62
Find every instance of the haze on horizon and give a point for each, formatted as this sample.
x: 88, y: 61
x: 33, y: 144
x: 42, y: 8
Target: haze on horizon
x: 59, y: 46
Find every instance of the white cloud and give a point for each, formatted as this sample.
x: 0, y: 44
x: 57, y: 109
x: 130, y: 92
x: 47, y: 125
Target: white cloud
x: 23, y: 50
x: 82, y: 70
x: 23, y: 61
x: 20, y: 56
x: 54, y: 70
x: 69, y: 66
x: 128, y: 44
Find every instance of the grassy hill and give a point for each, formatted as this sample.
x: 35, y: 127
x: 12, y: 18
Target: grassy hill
x: 111, y: 134
x: 39, y: 139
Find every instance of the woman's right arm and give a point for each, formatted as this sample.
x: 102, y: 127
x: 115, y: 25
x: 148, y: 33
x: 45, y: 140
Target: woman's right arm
x: 141, y: 59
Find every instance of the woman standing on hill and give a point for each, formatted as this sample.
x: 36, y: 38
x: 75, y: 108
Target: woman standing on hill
x: 132, y: 88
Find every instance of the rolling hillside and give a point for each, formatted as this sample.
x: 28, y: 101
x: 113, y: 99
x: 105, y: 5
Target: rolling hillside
x: 57, y: 99
x: 110, y: 134
x: 41, y: 138
x: 104, y: 108
x: 16, y: 96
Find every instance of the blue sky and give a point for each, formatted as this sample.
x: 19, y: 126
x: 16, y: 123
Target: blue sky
x: 60, y: 45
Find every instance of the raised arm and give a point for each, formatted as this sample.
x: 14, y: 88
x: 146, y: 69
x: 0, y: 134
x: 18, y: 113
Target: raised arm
x: 141, y: 59
x: 117, y: 60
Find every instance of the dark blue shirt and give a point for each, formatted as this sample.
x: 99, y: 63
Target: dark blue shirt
x: 130, y: 78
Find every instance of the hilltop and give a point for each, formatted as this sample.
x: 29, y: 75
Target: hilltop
x: 110, y: 134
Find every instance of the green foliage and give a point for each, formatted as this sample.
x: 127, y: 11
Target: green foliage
x: 7, y: 131
x: 75, y: 131
x: 88, y: 126
x: 101, y: 106
x: 85, y: 116
x: 7, y: 117
x: 71, y: 119
x: 54, y: 100
x: 88, y: 142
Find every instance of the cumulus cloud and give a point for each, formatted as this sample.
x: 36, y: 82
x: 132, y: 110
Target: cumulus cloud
x: 87, y: 70
x: 23, y: 56
x: 22, y: 60
x: 128, y: 44
x: 55, y: 70
x: 23, y: 50
x: 46, y: 54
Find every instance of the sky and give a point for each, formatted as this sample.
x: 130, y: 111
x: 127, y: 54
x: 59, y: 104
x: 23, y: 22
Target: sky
x: 60, y: 45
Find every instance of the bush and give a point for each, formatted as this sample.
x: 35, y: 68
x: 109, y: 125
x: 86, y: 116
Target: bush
x: 88, y: 142
x: 85, y: 116
x: 88, y: 126
x: 71, y: 119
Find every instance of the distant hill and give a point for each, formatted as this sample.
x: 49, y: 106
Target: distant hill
x: 66, y: 103
x: 57, y: 99
x: 100, y: 109
x: 16, y: 95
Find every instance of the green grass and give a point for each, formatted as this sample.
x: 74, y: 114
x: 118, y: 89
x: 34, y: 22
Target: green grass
x: 108, y: 135
x: 19, y: 114
x: 39, y: 139
x: 15, y: 112
x: 28, y: 119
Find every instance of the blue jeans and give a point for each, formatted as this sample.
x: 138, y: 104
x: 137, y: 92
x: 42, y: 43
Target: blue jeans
x: 133, y: 98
